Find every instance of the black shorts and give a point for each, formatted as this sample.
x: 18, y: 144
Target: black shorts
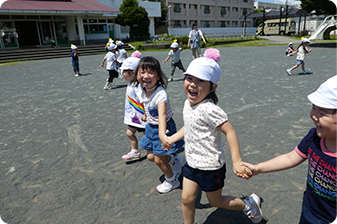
x: 208, y: 180
x: 138, y: 129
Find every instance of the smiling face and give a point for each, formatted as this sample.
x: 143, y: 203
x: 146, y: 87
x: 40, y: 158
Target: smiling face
x: 147, y: 77
x: 197, y: 89
x: 325, y: 121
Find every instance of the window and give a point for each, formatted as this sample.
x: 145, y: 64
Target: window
x: 223, y: 11
x: 207, y: 10
x: 245, y: 0
x: 223, y: 24
x: 206, y: 24
x: 176, y: 8
x: 177, y: 24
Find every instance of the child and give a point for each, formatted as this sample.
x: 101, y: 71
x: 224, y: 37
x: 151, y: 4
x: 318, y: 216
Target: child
x: 302, y: 50
x: 134, y: 109
x: 74, y: 56
x: 203, y: 124
x: 175, y: 54
x: 160, y: 123
x: 110, y: 57
x: 110, y: 42
x: 290, y: 50
x: 319, y: 146
x: 121, y: 56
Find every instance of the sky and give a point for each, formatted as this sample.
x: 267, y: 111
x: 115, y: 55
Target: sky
x: 290, y: 2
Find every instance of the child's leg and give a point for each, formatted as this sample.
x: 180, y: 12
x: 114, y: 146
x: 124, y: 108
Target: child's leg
x: 162, y: 162
x: 228, y: 202
x: 303, y: 66
x: 130, y: 132
x: 188, y: 196
x: 150, y: 156
x: 295, y: 66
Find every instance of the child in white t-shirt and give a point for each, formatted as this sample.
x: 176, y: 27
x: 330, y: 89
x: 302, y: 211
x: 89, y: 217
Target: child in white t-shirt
x: 110, y: 59
x: 121, y: 56
x: 204, y: 123
x: 174, y: 53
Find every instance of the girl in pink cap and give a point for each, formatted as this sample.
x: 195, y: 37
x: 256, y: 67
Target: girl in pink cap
x: 319, y: 147
x: 204, y: 123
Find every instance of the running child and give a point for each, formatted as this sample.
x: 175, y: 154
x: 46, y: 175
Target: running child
x: 121, y: 56
x: 302, y: 50
x: 110, y: 59
x: 175, y: 54
x: 74, y: 58
x: 290, y: 50
x: 160, y: 123
x: 134, y: 108
x: 204, y: 122
x: 319, y: 147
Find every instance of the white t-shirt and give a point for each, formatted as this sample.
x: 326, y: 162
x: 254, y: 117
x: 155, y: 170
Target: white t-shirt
x: 121, y: 55
x: 134, y: 108
x: 203, y: 148
x: 301, y: 53
x: 175, y: 55
x: 110, y: 60
x: 151, y: 105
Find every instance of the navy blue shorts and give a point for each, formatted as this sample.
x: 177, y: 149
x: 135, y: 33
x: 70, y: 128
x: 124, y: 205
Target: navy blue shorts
x: 76, y: 66
x: 307, y: 217
x: 208, y: 180
x: 299, y: 62
x: 138, y: 129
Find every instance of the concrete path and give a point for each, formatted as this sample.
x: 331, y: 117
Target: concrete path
x: 278, y: 39
x: 62, y: 138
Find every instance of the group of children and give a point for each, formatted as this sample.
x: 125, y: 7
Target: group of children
x: 148, y: 110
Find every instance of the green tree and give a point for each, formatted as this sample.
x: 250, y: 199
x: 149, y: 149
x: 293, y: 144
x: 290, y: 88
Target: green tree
x: 322, y: 7
x: 136, y: 18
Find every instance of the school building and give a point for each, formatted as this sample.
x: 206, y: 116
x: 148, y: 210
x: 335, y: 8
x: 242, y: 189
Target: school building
x: 26, y: 23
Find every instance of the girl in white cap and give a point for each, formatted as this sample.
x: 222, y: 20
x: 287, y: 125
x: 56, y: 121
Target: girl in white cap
x: 301, y: 51
x: 110, y: 59
x: 74, y: 58
x: 204, y: 123
x: 175, y: 54
x: 134, y: 108
x: 290, y: 50
x: 319, y: 147
x: 158, y: 115
x: 121, y: 56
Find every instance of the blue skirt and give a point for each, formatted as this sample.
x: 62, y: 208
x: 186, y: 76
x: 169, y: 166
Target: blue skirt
x: 152, y: 142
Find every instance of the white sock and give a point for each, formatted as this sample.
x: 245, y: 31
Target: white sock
x: 171, y: 76
x: 173, y: 158
x: 170, y: 179
x: 134, y: 150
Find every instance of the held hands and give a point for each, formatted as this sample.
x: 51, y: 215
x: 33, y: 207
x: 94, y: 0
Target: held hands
x: 143, y: 118
x: 166, y: 144
x: 253, y: 168
x: 242, y: 171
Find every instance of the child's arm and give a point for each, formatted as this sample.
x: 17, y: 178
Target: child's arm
x: 175, y: 137
x: 168, y: 57
x: 233, y: 143
x: 125, y: 55
x: 282, y: 162
x: 181, y: 45
x: 162, y: 126
x: 103, y: 63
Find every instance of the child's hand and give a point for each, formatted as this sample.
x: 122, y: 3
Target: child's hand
x: 143, y: 118
x: 166, y: 144
x: 242, y: 171
x: 251, y: 167
x: 101, y: 65
x: 164, y: 62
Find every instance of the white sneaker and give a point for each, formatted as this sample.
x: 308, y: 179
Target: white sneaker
x: 131, y: 156
x: 168, y: 186
x: 170, y: 79
x: 106, y: 87
x: 306, y: 71
x: 254, y: 211
x: 178, y: 163
x: 289, y: 71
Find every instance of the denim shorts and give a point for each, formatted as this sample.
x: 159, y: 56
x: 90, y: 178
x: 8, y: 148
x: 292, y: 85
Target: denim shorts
x: 76, y: 66
x: 299, y: 62
x: 152, y: 142
x: 208, y: 180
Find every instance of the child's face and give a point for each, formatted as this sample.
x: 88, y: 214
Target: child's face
x: 196, y: 89
x: 128, y: 75
x: 147, y: 78
x: 174, y: 49
x: 325, y: 121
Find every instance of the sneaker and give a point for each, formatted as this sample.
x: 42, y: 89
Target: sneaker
x: 178, y: 163
x: 254, y: 211
x: 170, y: 79
x: 106, y: 87
x: 77, y: 74
x: 289, y: 71
x: 306, y: 71
x: 131, y: 156
x: 168, y: 186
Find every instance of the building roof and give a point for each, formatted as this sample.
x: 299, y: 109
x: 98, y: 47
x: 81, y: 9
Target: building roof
x: 73, y: 6
x: 276, y: 14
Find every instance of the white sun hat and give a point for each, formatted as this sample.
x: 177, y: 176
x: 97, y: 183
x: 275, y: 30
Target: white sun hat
x: 130, y: 63
x: 326, y: 95
x: 111, y: 47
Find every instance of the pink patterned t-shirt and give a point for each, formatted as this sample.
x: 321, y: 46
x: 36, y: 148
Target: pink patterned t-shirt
x: 202, y: 137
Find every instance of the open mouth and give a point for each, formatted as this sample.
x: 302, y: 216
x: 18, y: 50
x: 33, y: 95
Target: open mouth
x: 192, y: 93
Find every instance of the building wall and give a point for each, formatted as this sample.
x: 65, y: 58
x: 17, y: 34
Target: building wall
x: 208, y: 13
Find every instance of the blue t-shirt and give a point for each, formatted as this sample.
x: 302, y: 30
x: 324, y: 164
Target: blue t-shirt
x: 320, y: 195
x: 75, y: 59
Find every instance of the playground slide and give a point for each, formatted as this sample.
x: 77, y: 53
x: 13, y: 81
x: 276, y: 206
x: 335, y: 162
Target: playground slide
x: 327, y: 25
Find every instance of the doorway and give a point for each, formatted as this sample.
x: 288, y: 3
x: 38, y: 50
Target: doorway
x: 27, y: 33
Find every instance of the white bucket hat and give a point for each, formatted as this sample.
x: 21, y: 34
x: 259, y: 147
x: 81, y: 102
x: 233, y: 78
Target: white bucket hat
x: 131, y: 63
x: 119, y: 43
x: 174, y: 45
x: 111, y: 47
x: 73, y: 47
x: 326, y: 95
x: 305, y: 40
